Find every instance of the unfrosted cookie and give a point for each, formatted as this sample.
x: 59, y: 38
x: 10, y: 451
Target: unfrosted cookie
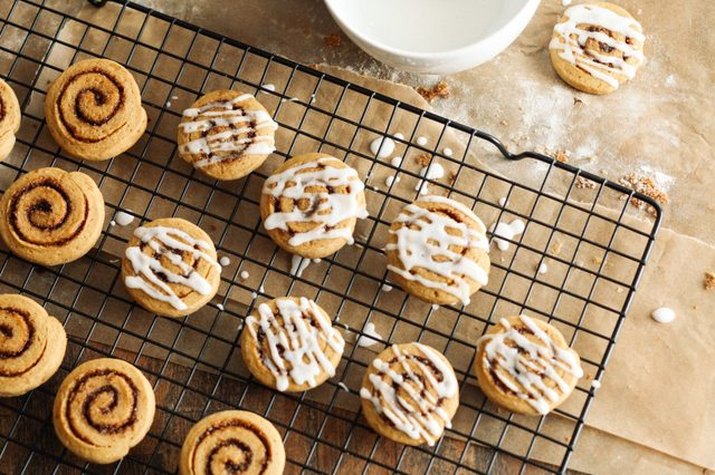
x: 226, y: 134
x: 410, y: 393
x: 438, y: 251
x: 238, y: 442
x: 170, y: 267
x: 526, y: 366
x: 32, y: 345
x: 50, y: 216
x: 290, y: 344
x: 103, y: 408
x: 597, y: 47
x: 9, y: 119
x: 94, y: 110
x: 311, y: 203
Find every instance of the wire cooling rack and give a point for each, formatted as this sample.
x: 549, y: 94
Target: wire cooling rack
x: 595, y: 256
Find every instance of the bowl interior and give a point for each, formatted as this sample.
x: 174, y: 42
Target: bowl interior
x: 424, y: 26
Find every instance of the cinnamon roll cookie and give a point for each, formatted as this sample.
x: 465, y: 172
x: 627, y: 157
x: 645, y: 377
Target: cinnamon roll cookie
x: 290, y: 344
x: 311, y: 203
x: 438, y: 251
x: 32, y: 345
x: 103, y: 408
x: 170, y: 267
x: 49, y: 216
x: 9, y: 119
x: 232, y: 442
x: 226, y: 134
x: 526, y: 366
x: 597, y: 47
x: 94, y: 110
x: 410, y: 393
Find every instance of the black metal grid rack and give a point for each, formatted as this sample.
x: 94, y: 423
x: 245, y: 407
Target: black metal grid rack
x: 194, y: 363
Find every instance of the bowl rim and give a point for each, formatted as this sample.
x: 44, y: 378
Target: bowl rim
x: 423, y: 54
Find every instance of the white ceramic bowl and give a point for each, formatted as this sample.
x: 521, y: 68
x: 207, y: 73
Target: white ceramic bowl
x: 433, y: 36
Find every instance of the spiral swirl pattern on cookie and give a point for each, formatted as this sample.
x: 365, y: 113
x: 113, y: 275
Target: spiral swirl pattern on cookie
x: 94, y: 109
x: 32, y: 345
x: 103, y: 408
x: 50, y: 216
x: 232, y: 442
x: 9, y: 119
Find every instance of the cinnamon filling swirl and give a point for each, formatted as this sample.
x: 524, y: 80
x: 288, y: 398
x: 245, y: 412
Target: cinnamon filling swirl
x: 20, y: 339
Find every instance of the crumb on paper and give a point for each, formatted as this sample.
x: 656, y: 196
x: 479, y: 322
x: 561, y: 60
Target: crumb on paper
x: 646, y: 186
x: 562, y: 156
x: 438, y: 91
x: 596, y: 260
x: 423, y: 159
x: 556, y: 247
x: 584, y: 183
x: 577, y: 101
x: 504, y: 122
x: 709, y: 282
x: 452, y: 177
x: 333, y: 40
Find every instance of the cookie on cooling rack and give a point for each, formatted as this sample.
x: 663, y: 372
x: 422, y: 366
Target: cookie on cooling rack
x: 241, y: 440
x: 226, y: 134
x: 311, y: 203
x: 290, y: 344
x: 597, y: 47
x: 9, y: 119
x: 103, y: 408
x: 170, y: 267
x: 49, y: 216
x: 94, y: 110
x: 409, y: 394
x: 32, y: 345
x: 438, y: 251
x: 525, y: 365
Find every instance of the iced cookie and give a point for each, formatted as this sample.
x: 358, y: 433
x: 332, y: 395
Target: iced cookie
x: 103, y: 408
x: 49, y: 216
x: 597, y: 47
x: 94, y: 110
x: 32, y: 345
x: 290, y: 344
x: 409, y: 394
x: 9, y: 119
x: 232, y: 442
x: 226, y: 134
x: 526, y: 366
x: 438, y: 251
x: 170, y: 267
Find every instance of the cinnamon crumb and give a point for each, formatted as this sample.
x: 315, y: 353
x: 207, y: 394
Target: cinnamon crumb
x: 562, y: 156
x: 584, y: 183
x: 709, y: 282
x: 423, y: 159
x: 438, y: 91
x: 646, y: 186
x: 333, y: 40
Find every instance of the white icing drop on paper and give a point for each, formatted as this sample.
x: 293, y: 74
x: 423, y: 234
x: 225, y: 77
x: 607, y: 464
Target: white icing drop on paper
x: 529, y: 364
x: 369, y: 337
x: 396, y: 161
x: 503, y: 233
x: 239, y: 122
x: 663, y: 315
x: 391, y: 179
x: 244, y: 275
x: 421, y: 141
x: 112, y: 223
x: 269, y: 87
x: 502, y: 201
x: 325, y: 210
x: 163, y: 241
x: 344, y: 387
x: 220, y: 307
x: 298, y: 264
x: 399, y: 136
x: 382, y: 147
x: 566, y: 3
x: 423, y: 242
x: 386, y: 287
x: 600, y: 66
x: 595, y: 384
x: 123, y: 218
x: 434, y: 171
x: 295, y: 342
x: 448, y: 152
x: 254, y: 295
x: 168, y: 104
x: 262, y: 289
x: 225, y: 261
x: 543, y: 268
x: 422, y: 415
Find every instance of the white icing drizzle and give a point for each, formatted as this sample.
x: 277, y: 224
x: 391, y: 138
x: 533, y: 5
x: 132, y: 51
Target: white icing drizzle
x: 421, y: 415
x: 325, y: 210
x: 123, y: 218
x: 369, y: 337
x: 298, y: 264
x: 423, y: 237
x: 382, y: 147
x: 300, y: 341
x: 240, y: 122
x: 663, y: 315
x: 600, y: 66
x: 164, y: 241
x: 505, y: 232
x: 529, y: 364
